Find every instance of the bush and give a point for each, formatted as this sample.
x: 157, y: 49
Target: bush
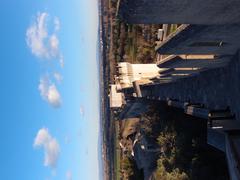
x: 167, y: 165
x: 127, y: 166
x: 163, y: 174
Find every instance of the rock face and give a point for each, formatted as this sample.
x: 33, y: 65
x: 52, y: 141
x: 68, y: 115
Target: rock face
x: 180, y: 12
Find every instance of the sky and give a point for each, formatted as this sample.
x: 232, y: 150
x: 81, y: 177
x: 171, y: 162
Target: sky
x: 49, y: 90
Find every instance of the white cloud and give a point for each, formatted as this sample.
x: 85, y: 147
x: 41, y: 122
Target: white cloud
x: 50, y: 146
x: 68, y: 175
x: 49, y: 92
x: 53, y: 44
x: 36, y: 34
x: 58, y: 77
x: 82, y: 110
x: 42, y: 43
x: 56, y: 24
x: 61, y: 61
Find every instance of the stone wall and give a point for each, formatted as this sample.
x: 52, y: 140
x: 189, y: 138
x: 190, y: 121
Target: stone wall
x: 180, y: 12
x: 215, y: 88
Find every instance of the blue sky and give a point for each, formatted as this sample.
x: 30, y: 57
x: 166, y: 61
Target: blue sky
x: 49, y: 90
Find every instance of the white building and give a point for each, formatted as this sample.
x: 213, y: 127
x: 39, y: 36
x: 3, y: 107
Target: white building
x: 116, y: 98
x: 128, y: 73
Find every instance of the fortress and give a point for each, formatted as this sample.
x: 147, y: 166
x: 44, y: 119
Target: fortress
x: 206, y: 44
